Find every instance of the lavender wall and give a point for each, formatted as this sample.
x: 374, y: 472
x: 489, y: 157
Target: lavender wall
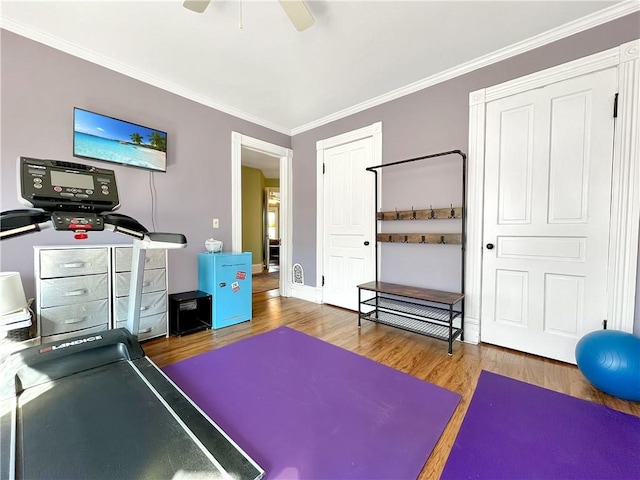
x: 40, y: 87
x: 431, y: 120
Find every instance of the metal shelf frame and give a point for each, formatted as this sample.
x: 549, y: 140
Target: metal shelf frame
x: 432, y: 321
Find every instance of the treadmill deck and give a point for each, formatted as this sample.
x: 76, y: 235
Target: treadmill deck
x: 121, y: 419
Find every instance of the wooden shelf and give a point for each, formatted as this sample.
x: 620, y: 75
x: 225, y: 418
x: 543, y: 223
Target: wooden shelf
x: 422, y: 214
x: 438, y: 238
x: 426, y: 294
x: 409, y: 314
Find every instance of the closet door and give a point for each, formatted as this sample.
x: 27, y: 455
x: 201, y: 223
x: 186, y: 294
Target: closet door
x: 349, y: 243
x: 547, y: 191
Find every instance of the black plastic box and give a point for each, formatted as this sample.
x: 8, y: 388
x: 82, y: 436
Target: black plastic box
x: 189, y: 312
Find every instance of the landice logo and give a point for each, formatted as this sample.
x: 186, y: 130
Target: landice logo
x: 69, y: 344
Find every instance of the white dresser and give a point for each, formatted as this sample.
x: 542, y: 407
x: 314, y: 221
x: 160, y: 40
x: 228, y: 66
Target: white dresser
x: 84, y: 289
x: 153, y: 307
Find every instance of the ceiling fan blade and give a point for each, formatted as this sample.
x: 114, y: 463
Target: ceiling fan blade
x: 298, y: 13
x: 198, y: 6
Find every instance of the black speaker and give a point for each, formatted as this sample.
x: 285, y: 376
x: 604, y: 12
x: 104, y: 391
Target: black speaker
x: 189, y: 312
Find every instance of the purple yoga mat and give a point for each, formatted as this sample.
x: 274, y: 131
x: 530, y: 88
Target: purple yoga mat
x: 303, y: 408
x: 514, y: 430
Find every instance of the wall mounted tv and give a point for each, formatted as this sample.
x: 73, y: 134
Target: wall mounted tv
x: 99, y: 137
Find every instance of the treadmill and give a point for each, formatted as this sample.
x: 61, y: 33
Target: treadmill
x: 95, y: 406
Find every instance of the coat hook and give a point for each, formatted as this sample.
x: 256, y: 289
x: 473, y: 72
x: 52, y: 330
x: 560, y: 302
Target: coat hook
x: 413, y: 213
x: 397, y: 214
x: 432, y: 214
x: 423, y: 239
x: 442, y: 240
x: 391, y: 238
x: 406, y: 239
x: 453, y: 212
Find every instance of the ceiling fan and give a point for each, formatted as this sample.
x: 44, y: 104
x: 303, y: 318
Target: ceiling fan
x: 296, y: 10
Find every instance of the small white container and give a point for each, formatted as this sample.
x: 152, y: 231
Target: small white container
x: 213, y: 246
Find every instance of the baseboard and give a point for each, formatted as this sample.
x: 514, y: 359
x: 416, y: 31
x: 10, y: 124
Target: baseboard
x: 471, y: 330
x: 305, y: 292
x: 257, y: 268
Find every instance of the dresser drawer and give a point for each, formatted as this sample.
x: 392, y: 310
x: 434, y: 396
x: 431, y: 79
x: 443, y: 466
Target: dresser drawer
x: 153, y: 281
x: 154, y: 259
x: 151, y: 304
x: 153, y: 326
x: 72, y: 262
x: 73, y: 290
x: 86, y: 331
x: 71, y: 318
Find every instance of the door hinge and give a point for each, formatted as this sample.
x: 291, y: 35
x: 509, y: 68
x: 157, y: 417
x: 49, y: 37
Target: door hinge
x: 615, y: 106
x: 323, y: 167
x: 323, y: 280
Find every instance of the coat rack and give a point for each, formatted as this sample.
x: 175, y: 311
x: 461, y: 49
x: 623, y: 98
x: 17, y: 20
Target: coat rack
x: 440, y: 213
x: 419, y: 310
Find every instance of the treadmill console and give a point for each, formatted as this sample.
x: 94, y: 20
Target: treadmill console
x: 67, y: 187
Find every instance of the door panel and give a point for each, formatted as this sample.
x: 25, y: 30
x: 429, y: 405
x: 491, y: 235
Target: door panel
x: 547, y: 199
x: 516, y: 137
x: 349, y: 222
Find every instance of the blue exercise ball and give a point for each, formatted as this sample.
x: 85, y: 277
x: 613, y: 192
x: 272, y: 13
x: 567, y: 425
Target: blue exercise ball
x: 610, y: 360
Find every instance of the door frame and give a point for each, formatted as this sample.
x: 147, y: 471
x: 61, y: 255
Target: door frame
x: 238, y: 141
x: 375, y: 132
x: 625, y: 202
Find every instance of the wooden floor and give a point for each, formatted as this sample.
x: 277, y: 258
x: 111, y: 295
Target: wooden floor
x: 422, y: 357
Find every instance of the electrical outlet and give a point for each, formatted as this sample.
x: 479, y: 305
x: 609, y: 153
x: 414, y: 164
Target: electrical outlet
x: 216, y: 223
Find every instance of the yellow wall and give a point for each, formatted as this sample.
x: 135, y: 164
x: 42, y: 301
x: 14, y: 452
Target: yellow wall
x: 252, y: 212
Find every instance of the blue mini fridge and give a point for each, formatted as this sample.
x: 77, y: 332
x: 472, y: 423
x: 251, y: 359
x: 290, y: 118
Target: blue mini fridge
x: 227, y: 277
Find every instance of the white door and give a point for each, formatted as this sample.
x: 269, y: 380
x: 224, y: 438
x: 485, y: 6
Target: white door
x: 546, y: 220
x: 349, y: 255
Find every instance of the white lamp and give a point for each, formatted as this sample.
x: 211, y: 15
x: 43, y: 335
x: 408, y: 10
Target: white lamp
x: 12, y: 298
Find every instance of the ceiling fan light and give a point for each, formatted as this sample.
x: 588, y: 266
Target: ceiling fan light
x: 298, y: 13
x: 198, y: 6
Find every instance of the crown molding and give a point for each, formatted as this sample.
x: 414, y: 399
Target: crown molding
x: 603, y: 16
x: 93, y: 57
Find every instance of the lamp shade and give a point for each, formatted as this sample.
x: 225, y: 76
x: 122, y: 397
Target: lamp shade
x: 12, y: 296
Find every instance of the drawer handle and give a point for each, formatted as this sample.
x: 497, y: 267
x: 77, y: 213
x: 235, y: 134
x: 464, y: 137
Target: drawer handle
x: 146, y: 330
x: 76, y: 320
x: 146, y: 284
x: 75, y: 293
x: 75, y: 265
x: 142, y: 309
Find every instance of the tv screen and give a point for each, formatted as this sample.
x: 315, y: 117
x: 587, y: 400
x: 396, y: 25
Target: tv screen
x: 99, y: 137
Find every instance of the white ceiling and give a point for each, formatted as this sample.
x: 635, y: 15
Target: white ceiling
x: 269, y: 165
x: 356, y: 55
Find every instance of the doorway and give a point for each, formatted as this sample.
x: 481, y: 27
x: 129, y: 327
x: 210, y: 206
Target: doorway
x: 346, y: 214
x: 548, y: 162
x: 269, y: 164
x: 620, y: 248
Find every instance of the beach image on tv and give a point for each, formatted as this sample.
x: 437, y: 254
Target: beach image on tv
x: 104, y: 138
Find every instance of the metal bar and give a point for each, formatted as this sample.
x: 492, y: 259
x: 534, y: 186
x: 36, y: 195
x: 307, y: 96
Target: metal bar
x: 450, y: 329
x: 138, y: 255
x: 375, y: 208
x: 359, y: 307
x: 434, y: 155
